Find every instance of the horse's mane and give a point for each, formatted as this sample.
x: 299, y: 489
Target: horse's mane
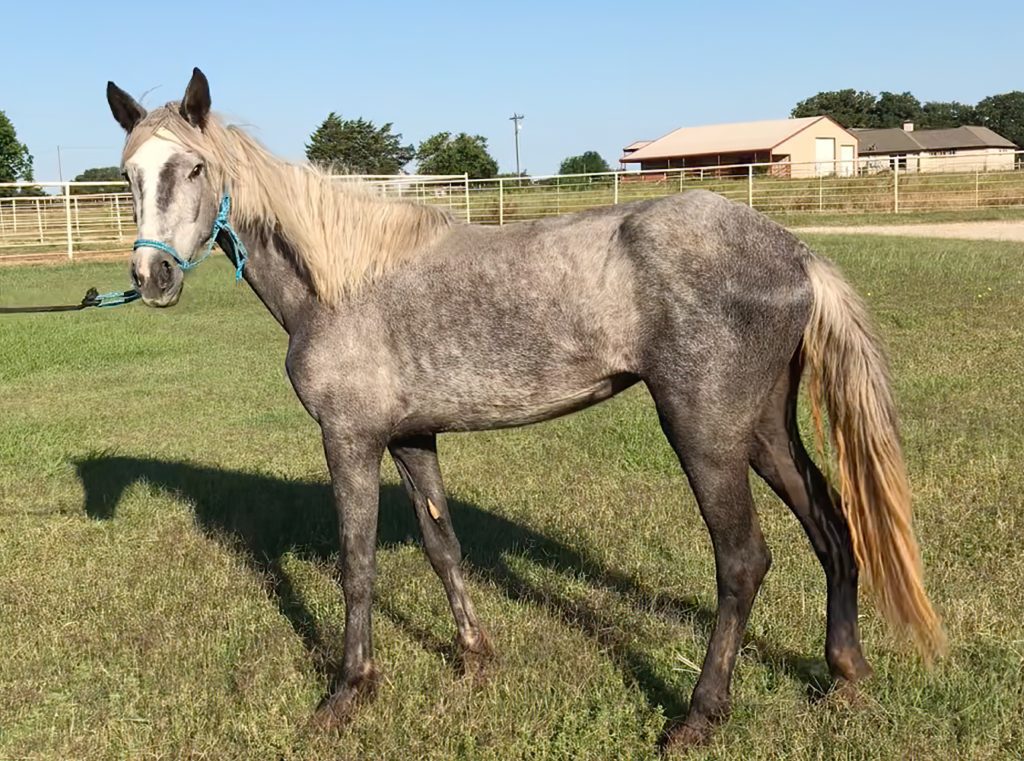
x: 343, y: 233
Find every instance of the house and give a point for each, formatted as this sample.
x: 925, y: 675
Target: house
x: 967, y: 149
x: 807, y: 147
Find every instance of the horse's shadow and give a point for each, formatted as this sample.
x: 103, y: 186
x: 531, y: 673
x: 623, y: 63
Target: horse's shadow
x: 267, y: 517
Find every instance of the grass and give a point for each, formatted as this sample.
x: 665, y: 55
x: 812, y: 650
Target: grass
x: 168, y: 587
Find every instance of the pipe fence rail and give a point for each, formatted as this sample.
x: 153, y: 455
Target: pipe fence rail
x: 48, y: 220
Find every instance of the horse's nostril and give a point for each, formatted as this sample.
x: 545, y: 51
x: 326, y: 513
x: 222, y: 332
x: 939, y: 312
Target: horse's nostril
x: 136, y: 279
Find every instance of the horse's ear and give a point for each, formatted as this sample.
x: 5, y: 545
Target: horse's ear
x: 124, y: 107
x: 195, y: 106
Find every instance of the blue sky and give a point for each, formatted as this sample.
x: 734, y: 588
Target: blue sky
x: 587, y: 75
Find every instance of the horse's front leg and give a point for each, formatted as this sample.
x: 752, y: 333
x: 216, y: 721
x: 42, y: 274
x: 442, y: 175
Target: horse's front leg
x: 354, y: 463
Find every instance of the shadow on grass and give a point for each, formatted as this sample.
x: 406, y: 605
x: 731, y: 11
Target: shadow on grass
x: 267, y: 517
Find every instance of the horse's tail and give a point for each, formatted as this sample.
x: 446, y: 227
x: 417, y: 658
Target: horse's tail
x: 849, y: 376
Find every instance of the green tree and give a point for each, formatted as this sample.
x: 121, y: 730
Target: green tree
x: 100, y: 174
x: 587, y: 162
x: 851, y: 108
x: 1004, y: 114
x: 893, y: 109
x: 937, y: 114
x: 356, y: 146
x: 15, y: 160
x: 444, y: 154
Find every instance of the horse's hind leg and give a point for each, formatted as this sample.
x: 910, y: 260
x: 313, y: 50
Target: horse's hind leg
x: 780, y: 458
x: 714, y: 452
x: 416, y: 459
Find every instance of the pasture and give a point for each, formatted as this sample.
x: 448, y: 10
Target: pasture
x: 167, y: 584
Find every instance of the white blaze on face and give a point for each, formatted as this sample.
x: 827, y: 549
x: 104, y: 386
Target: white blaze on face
x: 146, y: 164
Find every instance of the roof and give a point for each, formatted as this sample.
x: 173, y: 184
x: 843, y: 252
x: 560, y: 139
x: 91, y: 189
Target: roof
x: 722, y: 138
x: 888, y: 140
x: 636, y: 145
x: 895, y: 140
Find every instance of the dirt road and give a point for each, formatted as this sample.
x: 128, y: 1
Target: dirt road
x: 1010, y: 230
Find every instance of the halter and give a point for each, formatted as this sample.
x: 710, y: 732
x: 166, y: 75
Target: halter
x: 219, y: 224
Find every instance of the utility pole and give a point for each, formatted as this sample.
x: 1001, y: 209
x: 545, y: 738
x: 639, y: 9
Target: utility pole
x: 517, y: 118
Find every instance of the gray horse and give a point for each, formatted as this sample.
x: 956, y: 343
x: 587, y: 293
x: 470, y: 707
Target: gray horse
x: 404, y: 324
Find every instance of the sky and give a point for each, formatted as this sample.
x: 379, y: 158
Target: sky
x: 587, y: 75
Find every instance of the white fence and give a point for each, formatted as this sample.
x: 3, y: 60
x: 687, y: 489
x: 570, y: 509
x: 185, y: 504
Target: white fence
x: 72, y: 218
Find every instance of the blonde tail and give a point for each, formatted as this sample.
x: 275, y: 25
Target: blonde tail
x: 849, y: 376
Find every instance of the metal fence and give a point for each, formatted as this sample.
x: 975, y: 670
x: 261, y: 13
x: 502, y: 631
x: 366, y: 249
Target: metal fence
x: 46, y: 219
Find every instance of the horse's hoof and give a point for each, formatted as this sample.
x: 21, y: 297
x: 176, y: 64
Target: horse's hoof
x: 688, y: 736
x: 849, y: 666
x: 476, y: 657
x: 337, y: 710
x: 846, y: 694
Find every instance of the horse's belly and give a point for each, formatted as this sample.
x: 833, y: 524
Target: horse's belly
x: 500, y: 411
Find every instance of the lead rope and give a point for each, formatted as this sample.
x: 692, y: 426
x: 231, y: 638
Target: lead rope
x: 92, y: 299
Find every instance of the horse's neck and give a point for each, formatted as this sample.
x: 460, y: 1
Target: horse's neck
x: 273, y: 275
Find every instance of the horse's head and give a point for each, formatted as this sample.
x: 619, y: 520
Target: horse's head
x: 174, y: 200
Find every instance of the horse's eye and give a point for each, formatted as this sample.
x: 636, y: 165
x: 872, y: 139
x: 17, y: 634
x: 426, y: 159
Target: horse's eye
x: 196, y: 171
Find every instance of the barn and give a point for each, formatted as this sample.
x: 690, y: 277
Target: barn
x: 805, y: 147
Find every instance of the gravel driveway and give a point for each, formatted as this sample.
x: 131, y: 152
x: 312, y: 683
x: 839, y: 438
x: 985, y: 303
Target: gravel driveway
x: 1011, y: 230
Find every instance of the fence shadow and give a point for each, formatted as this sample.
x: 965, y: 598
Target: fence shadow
x: 264, y: 518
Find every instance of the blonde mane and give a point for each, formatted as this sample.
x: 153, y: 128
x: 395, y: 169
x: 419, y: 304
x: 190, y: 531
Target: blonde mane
x: 344, y: 234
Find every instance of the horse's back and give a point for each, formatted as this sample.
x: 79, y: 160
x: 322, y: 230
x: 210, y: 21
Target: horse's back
x: 498, y: 326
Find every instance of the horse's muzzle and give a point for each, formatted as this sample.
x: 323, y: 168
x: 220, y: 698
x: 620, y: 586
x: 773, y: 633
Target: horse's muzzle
x: 157, y: 278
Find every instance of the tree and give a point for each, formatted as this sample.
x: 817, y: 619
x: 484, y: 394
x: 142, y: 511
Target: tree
x: 587, y: 162
x: 936, y: 114
x: 100, y: 174
x: 15, y: 160
x: 461, y: 154
x: 893, y: 109
x: 356, y: 146
x: 1004, y: 115
x: 851, y: 108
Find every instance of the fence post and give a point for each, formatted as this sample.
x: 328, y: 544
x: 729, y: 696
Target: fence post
x: 501, y: 201
x: 615, y: 188
x: 821, y: 192
x: 67, y: 219
x: 39, y: 220
x: 977, y: 200
x: 117, y: 216
x: 750, y: 185
x: 465, y: 179
x: 896, y: 188
x: 14, y: 213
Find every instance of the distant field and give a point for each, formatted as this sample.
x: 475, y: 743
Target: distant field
x: 167, y: 584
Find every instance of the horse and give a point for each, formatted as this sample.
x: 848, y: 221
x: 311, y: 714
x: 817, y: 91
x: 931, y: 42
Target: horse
x: 404, y: 323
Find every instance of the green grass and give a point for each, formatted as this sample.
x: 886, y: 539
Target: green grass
x: 167, y: 584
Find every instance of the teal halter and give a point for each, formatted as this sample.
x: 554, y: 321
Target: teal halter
x: 219, y: 224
